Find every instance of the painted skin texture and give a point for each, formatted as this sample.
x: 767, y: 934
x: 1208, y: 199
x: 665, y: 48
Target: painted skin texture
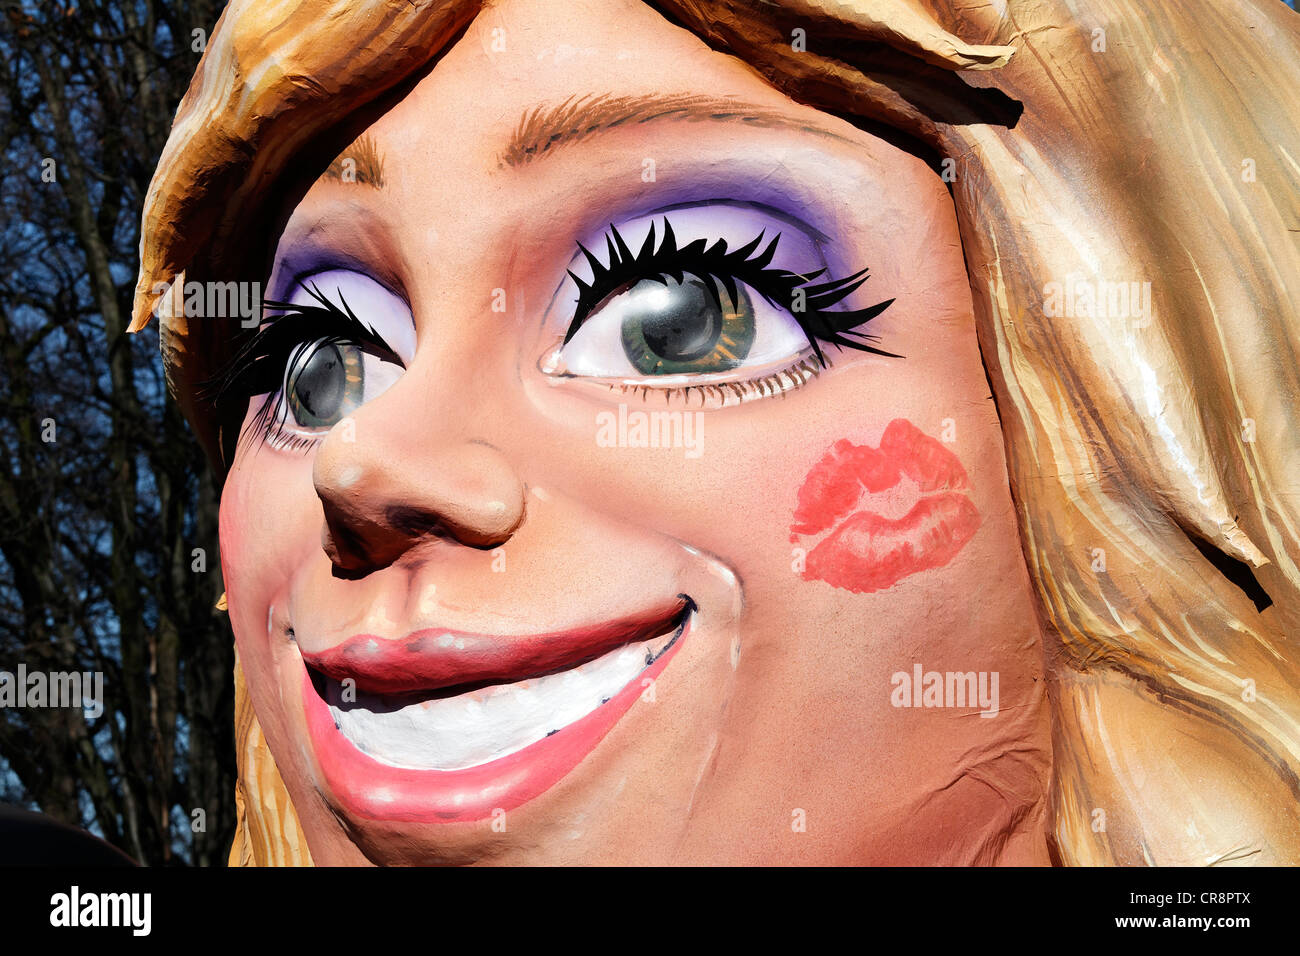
x: 769, y: 736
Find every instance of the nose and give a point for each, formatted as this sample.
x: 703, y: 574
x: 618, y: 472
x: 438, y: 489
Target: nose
x: 384, y: 493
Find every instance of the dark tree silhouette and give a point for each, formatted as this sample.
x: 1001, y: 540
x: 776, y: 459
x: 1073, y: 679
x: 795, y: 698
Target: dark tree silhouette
x: 108, y: 557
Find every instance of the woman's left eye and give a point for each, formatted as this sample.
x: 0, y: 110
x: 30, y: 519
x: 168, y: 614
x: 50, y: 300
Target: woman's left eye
x: 664, y: 325
x: 691, y: 325
x: 714, y: 306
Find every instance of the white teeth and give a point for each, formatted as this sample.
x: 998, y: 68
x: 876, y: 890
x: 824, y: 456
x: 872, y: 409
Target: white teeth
x: 479, y: 726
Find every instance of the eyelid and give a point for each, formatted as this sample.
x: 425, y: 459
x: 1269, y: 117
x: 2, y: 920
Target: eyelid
x: 698, y: 231
x: 714, y: 391
x: 377, y: 306
x: 346, y: 264
x: 348, y: 234
x: 736, y: 221
x: 760, y: 214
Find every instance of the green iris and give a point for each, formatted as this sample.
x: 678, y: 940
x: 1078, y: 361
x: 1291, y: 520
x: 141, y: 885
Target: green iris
x: 325, y: 384
x: 674, y: 327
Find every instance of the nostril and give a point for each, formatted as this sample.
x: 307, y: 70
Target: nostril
x: 358, y: 548
x: 485, y: 527
x: 345, y: 549
x: 415, y: 523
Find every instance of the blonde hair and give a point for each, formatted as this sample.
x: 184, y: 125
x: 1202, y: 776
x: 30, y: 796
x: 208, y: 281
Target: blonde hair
x: 1152, y: 453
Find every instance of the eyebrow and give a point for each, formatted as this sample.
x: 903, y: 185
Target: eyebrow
x: 546, y: 128
x: 360, y: 163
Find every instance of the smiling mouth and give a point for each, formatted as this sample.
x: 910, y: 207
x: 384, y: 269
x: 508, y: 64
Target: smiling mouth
x: 447, y: 726
x: 470, y: 724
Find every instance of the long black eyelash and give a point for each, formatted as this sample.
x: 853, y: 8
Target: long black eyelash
x: 720, y: 265
x: 258, y: 367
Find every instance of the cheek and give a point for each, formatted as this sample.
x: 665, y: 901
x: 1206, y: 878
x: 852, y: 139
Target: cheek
x: 863, y: 482
x: 270, y: 524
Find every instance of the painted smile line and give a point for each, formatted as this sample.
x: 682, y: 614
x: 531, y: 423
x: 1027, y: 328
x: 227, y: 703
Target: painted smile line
x: 504, y: 733
x: 866, y: 551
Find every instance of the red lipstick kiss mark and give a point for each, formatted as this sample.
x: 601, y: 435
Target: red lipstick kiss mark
x: 866, y: 551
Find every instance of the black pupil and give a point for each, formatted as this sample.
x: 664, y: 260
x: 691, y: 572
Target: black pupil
x: 321, y: 384
x: 682, y: 323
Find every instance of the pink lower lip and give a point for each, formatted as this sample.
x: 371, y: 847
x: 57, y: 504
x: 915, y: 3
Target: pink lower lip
x: 365, y: 788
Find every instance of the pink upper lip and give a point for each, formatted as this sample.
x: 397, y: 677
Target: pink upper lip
x: 433, y: 658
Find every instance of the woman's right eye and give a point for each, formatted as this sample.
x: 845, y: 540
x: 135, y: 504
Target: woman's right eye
x: 327, y: 379
x: 326, y: 382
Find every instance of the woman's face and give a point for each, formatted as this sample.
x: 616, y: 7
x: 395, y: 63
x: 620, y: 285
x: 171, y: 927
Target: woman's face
x: 604, y: 567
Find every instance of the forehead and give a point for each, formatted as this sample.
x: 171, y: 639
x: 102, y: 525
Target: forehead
x: 533, y: 79
x: 563, y: 66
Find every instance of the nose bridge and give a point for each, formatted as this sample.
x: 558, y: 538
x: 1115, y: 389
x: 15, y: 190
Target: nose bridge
x: 390, y: 479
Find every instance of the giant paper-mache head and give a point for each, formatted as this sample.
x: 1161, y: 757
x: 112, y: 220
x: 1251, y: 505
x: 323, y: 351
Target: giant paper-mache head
x: 716, y: 431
